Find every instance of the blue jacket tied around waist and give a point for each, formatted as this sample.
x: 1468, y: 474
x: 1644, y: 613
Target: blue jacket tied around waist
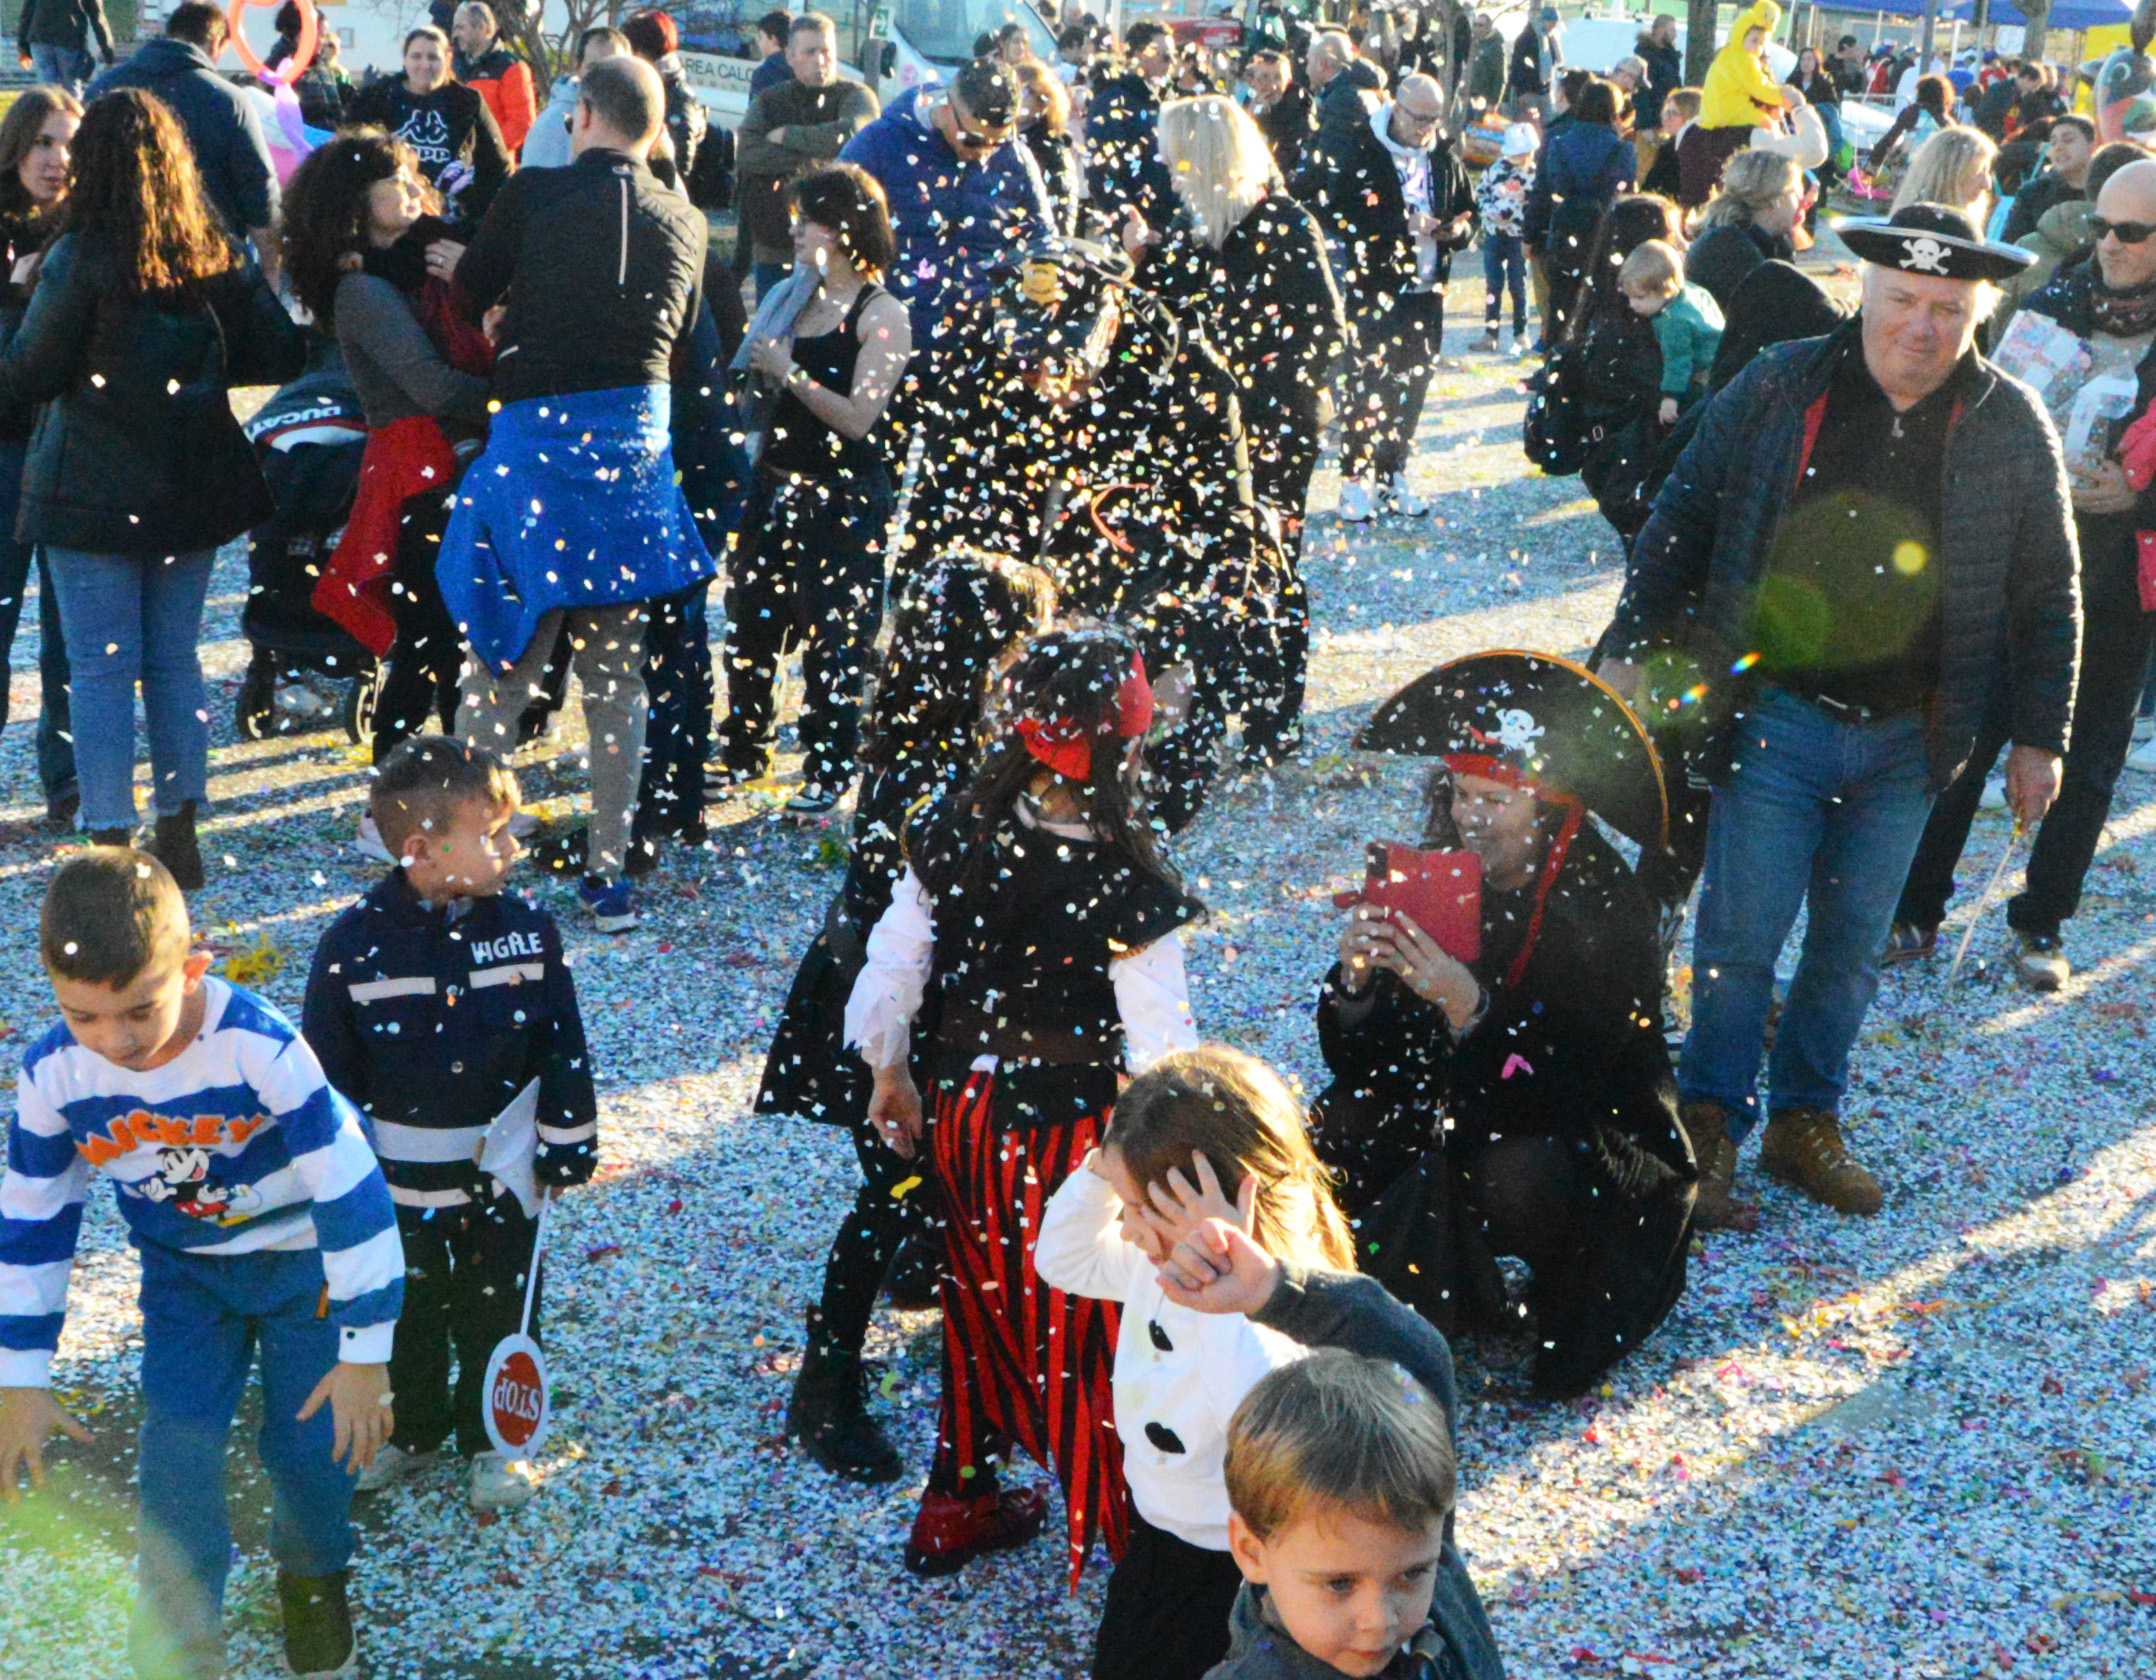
x: 573, y: 505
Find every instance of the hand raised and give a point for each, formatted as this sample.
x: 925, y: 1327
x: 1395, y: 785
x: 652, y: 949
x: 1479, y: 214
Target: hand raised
x: 1219, y: 1270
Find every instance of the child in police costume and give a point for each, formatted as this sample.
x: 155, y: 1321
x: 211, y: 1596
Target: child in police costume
x: 433, y: 1003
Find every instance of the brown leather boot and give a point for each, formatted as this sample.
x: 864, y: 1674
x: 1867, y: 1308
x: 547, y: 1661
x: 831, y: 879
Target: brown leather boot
x: 1716, y: 1207
x: 1803, y: 1147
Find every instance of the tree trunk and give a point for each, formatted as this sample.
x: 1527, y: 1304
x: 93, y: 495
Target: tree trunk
x: 1700, y: 18
x: 2038, y: 16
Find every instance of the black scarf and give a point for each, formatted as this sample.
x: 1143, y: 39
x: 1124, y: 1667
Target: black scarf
x: 2126, y: 314
x: 404, y: 264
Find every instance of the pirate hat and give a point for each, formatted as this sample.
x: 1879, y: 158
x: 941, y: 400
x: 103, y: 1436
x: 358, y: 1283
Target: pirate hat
x: 1052, y: 300
x: 1555, y: 724
x: 1932, y: 239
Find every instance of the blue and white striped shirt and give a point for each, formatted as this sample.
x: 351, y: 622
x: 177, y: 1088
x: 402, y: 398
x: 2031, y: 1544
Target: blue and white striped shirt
x: 235, y: 1146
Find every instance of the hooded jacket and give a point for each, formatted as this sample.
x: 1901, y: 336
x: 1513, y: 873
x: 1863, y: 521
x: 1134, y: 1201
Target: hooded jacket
x: 547, y: 145
x: 953, y: 218
x: 1740, y: 91
x: 1366, y: 207
x: 452, y: 124
x: 222, y: 129
x: 2010, y: 595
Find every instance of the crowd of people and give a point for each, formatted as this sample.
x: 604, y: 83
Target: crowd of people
x: 1097, y: 318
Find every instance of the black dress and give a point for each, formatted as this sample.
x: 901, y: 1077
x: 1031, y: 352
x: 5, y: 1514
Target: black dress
x: 1547, y: 1130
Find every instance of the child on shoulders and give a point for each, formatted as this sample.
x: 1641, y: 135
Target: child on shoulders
x: 264, y: 1227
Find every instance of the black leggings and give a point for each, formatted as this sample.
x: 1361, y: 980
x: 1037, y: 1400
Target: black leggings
x: 868, y: 1238
x: 429, y: 650
x: 1166, y: 1613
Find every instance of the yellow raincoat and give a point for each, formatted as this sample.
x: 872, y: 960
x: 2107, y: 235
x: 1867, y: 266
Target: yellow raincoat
x: 1740, y: 91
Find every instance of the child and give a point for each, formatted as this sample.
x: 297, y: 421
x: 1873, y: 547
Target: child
x: 1036, y: 906
x: 957, y: 624
x: 263, y: 1223
x: 1192, y: 1122
x: 1687, y: 322
x: 1501, y: 199
x: 1341, y: 1474
x: 433, y: 1003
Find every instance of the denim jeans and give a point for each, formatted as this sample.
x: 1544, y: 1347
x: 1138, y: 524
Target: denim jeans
x: 61, y: 67
x: 1504, y: 267
x: 55, y: 744
x: 204, y: 1319
x: 1820, y: 813
x: 135, y: 618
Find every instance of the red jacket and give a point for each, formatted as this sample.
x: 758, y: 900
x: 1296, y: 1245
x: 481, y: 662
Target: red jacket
x: 504, y: 81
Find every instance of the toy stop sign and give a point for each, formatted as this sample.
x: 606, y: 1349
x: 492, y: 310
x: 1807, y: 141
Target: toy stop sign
x: 517, y: 1413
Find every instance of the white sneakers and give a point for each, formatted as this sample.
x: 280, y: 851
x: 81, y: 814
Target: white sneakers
x: 497, y: 1483
x: 391, y: 1465
x: 501, y: 1484
x: 1505, y: 347
x: 1359, y: 500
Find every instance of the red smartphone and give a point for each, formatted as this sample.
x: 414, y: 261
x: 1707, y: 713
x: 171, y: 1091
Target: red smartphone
x: 1440, y: 892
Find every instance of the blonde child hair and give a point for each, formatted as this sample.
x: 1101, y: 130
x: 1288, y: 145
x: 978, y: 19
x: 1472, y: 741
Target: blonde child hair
x: 1653, y: 267
x: 1236, y: 1112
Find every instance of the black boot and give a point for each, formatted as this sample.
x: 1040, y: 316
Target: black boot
x: 830, y: 1415
x: 914, y: 1280
x: 174, y: 846
x: 112, y: 837
x: 318, y: 1640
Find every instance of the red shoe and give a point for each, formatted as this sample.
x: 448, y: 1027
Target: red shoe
x: 950, y: 1531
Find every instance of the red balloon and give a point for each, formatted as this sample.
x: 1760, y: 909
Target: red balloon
x: 290, y: 71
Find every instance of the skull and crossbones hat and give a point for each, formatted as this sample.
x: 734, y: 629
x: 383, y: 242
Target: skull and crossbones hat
x: 1932, y: 239
x: 1554, y: 724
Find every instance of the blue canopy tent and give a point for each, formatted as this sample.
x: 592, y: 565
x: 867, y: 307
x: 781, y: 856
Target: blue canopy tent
x: 2068, y: 15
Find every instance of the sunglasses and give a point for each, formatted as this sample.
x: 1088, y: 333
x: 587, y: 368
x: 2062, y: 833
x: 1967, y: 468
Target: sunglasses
x: 2127, y: 233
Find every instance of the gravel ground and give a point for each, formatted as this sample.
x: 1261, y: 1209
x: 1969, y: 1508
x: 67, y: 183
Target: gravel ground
x: 1919, y: 1446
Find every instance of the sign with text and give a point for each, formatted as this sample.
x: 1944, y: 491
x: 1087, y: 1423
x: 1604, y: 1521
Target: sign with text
x: 517, y: 1410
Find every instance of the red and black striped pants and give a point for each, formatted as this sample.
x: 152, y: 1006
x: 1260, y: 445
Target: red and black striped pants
x: 1023, y: 1364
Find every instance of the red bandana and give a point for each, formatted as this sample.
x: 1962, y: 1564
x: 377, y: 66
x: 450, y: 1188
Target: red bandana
x: 1066, y: 746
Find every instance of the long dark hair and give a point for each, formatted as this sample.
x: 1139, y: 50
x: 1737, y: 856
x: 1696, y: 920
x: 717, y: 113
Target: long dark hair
x: 19, y: 130
x: 1065, y: 675
x: 1626, y: 225
x: 954, y: 623
x: 136, y: 189
x: 326, y: 214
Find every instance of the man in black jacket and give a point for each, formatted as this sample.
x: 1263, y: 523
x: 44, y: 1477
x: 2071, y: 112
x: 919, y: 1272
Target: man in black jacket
x: 1400, y: 204
x: 1665, y: 70
x: 1338, y: 79
x: 222, y: 129
x: 1864, y: 533
x: 1124, y: 169
x: 1282, y: 107
x: 52, y: 38
x: 601, y: 268
x: 2105, y: 303
x: 1537, y: 53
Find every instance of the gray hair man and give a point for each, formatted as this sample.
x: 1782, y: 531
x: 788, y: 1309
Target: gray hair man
x: 1867, y: 533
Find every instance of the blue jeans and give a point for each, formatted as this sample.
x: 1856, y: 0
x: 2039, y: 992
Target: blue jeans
x: 1816, y: 812
x: 61, y: 67
x: 55, y: 745
x: 1504, y: 267
x: 204, y: 1319
x: 135, y: 618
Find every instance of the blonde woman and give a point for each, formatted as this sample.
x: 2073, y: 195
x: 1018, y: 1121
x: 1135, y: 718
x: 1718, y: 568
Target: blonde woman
x: 1952, y: 168
x: 1747, y: 222
x: 1247, y: 262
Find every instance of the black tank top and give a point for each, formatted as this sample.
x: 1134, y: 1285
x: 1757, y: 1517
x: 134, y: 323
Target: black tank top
x: 800, y: 443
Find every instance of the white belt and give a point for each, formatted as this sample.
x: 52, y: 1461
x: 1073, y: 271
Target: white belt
x: 423, y: 1144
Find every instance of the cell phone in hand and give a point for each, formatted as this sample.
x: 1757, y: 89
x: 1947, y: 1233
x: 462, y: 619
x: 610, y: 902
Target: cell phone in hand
x: 1440, y: 892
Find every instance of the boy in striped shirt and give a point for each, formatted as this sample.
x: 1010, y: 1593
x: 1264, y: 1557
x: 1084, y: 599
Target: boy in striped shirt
x: 263, y: 1224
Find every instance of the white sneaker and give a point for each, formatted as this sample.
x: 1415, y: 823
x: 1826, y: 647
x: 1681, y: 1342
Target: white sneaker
x: 1993, y: 798
x: 2142, y: 757
x: 390, y: 1466
x: 1355, y: 506
x: 1402, y: 498
x: 1505, y: 346
x: 369, y: 845
x: 501, y: 1484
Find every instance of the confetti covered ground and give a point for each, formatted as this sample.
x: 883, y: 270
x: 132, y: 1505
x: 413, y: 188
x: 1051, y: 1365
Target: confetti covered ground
x: 1919, y: 1446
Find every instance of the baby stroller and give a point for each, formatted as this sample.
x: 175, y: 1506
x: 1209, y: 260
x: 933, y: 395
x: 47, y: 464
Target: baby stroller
x: 309, y: 438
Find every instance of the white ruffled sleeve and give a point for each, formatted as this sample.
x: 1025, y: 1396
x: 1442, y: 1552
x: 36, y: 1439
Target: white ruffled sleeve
x: 887, y: 995
x: 1153, y: 997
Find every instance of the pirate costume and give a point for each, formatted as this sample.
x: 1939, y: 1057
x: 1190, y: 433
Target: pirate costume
x: 1039, y: 1016
x: 1545, y: 1127
x: 1137, y: 499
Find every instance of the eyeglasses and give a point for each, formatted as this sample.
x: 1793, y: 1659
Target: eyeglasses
x: 2126, y: 233
x: 1418, y: 118
x: 980, y: 139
